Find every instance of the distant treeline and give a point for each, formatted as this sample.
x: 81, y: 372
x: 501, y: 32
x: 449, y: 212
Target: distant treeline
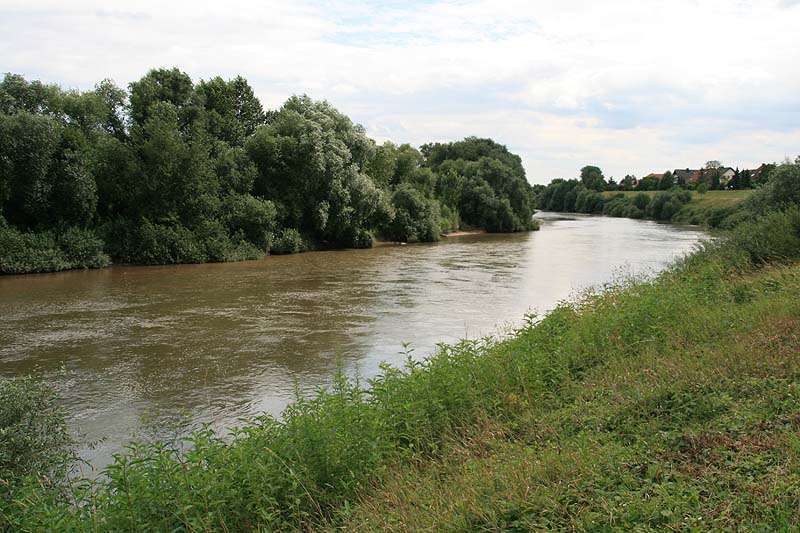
x: 591, y: 194
x: 572, y: 197
x: 709, y: 178
x: 172, y: 171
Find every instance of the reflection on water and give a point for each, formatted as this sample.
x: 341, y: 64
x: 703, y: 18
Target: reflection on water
x: 223, y: 341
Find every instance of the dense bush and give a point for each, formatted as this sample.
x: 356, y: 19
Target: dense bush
x: 664, y: 205
x: 34, y: 440
x: 782, y: 189
x: 82, y: 248
x: 288, y: 241
x: 772, y: 237
x: 416, y: 218
x: 22, y: 252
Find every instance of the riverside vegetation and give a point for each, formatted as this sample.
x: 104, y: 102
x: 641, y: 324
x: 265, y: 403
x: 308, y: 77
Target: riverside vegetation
x: 705, y: 203
x: 172, y: 171
x: 713, y: 209
x: 669, y: 403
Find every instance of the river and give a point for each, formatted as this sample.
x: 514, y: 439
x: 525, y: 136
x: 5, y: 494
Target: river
x: 224, y: 341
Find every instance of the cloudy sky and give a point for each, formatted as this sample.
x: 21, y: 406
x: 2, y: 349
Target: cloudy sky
x: 633, y: 86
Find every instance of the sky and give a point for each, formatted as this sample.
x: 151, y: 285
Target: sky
x: 632, y: 86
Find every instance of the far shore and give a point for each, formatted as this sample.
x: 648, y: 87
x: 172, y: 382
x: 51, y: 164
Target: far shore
x: 460, y: 233
x: 463, y: 233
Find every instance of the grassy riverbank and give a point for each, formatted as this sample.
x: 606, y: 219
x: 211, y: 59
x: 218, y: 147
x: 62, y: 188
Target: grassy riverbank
x: 708, y: 208
x: 690, y: 424
x: 662, y: 404
x: 711, y: 209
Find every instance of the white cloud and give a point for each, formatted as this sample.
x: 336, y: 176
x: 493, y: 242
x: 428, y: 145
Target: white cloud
x: 633, y: 86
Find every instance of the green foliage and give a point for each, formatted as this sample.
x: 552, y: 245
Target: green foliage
x: 781, y: 190
x: 288, y: 241
x: 171, y: 171
x: 664, y: 205
x: 589, y: 201
x: 416, y: 218
x: 82, y: 248
x: 34, y: 440
x: 232, y: 111
x: 666, y: 182
x: 592, y: 178
x: 22, y: 252
x: 484, y: 182
x: 771, y: 237
x: 160, y: 244
x: 249, y: 218
x: 310, y: 157
x: 647, y: 184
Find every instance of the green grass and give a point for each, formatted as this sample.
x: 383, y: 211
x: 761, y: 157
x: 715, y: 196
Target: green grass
x: 709, y: 199
x: 693, y: 428
x: 710, y: 208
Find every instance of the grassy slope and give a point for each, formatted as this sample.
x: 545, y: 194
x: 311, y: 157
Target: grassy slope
x: 707, y: 208
x: 694, y: 425
x: 709, y: 198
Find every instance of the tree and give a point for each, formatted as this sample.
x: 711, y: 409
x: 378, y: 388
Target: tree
x: 666, y: 182
x: 18, y: 95
x: 647, y: 184
x: 735, y: 181
x: 232, y: 110
x: 591, y: 176
x: 627, y: 182
x: 416, y: 217
x: 712, y: 165
x: 163, y: 85
x: 744, y: 181
x: 310, y: 159
x: 466, y: 168
x: 714, y: 183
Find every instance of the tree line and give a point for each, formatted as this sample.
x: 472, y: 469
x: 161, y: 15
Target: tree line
x: 592, y: 194
x: 173, y: 171
x: 708, y: 178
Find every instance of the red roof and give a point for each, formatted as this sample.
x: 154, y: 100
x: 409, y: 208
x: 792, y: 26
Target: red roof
x: 656, y: 176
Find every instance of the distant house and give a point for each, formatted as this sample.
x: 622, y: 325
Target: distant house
x: 755, y: 174
x: 656, y: 176
x: 725, y: 175
x: 683, y: 176
x: 692, y: 177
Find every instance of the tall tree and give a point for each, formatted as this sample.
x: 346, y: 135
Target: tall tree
x: 591, y: 176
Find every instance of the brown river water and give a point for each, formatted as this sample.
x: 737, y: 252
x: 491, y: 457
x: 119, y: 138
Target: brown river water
x: 225, y: 341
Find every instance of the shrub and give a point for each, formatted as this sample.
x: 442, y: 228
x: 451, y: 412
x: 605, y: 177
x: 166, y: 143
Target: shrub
x: 641, y: 201
x: 288, y: 241
x: 24, y: 252
x: 82, y: 248
x: 250, y: 217
x: 417, y: 217
x: 449, y: 218
x: 159, y: 244
x: 771, y: 237
x: 34, y: 440
x: 781, y: 190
